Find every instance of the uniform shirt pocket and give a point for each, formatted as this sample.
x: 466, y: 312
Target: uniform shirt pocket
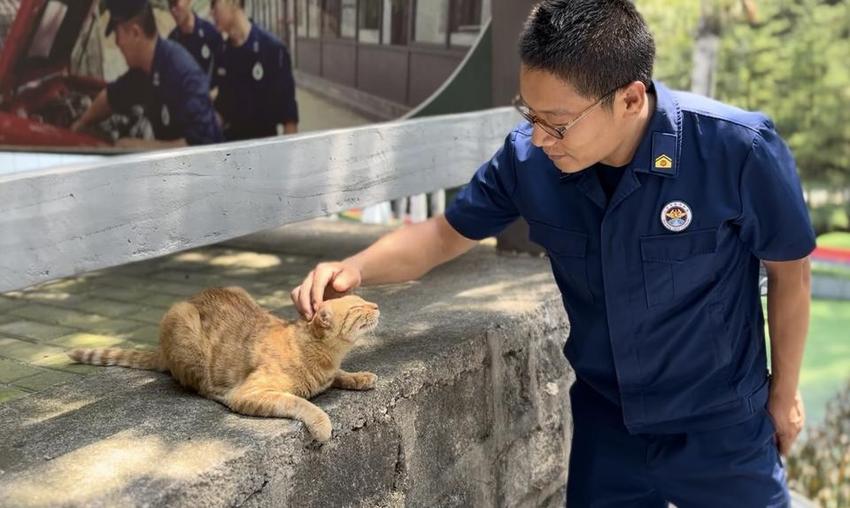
x: 677, y: 264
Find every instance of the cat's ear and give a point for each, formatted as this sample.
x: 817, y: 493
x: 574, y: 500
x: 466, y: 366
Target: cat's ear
x: 323, y: 317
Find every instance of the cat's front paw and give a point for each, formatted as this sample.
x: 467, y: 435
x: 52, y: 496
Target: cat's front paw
x: 320, y: 428
x: 364, y: 380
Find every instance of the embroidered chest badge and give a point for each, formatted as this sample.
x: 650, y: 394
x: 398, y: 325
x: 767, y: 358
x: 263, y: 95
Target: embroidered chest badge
x: 205, y: 52
x: 257, y: 71
x: 676, y: 216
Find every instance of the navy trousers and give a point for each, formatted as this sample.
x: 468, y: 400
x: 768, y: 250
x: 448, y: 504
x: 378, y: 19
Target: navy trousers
x: 734, y: 466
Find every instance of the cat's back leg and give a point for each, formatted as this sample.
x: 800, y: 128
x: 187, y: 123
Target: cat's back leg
x: 257, y: 396
x: 184, y: 345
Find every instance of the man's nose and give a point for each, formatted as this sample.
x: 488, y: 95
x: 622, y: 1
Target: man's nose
x: 541, y: 138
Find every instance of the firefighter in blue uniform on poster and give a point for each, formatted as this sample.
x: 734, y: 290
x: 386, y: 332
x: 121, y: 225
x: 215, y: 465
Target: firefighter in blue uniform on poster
x: 162, y: 77
x: 256, y: 89
x: 197, y: 35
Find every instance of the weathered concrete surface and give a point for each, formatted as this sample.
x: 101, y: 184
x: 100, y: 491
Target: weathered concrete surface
x: 470, y: 409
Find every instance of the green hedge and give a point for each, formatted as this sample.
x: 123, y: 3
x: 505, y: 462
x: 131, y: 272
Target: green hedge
x: 830, y: 218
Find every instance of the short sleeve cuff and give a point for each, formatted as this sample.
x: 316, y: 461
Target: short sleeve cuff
x: 466, y: 225
x: 790, y: 252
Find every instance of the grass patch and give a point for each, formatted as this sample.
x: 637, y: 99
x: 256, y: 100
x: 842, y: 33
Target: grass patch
x: 826, y: 362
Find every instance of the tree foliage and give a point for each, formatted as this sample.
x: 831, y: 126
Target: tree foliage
x: 792, y: 63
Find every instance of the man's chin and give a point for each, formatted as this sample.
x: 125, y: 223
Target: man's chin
x: 567, y: 164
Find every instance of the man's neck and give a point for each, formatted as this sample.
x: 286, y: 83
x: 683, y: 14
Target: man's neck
x: 240, y: 30
x: 188, y: 25
x: 624, y: 154
x: 148, y: 52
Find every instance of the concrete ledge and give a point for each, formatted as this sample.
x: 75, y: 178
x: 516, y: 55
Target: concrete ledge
x: 471, y: 409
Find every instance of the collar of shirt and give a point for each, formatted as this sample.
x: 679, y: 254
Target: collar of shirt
x: 658, y: 151
x: 198, y: 28
x: 252, y: 42
x: 657, y: 154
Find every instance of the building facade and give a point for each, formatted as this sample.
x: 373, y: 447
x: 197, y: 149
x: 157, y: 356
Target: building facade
x: 397, y: 52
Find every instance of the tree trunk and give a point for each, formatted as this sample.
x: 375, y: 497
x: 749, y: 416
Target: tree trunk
x: 706, y: 45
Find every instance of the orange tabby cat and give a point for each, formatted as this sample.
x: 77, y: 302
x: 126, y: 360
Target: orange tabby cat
x: 224, y: 345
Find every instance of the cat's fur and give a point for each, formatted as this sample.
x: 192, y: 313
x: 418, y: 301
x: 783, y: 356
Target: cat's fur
x: 225, y: 346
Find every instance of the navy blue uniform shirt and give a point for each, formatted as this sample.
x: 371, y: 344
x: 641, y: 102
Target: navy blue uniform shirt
x: 256, y: 90
x: 204, y: 43
x: 175, y: 96
x: 661, y: 281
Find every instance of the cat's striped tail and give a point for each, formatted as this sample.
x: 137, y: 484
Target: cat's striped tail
x: 133, y: 358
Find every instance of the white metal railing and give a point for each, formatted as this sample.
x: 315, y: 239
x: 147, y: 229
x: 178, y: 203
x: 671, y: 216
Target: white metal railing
x: 62, y: 221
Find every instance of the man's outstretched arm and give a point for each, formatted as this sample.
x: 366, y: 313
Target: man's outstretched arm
x: 405, y: 254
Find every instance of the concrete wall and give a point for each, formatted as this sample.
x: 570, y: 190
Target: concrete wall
x: 470, y: 409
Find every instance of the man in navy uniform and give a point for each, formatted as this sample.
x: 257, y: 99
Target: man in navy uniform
x: 196, y: 34
x: 163, y: 78
x: 656, y: 208
x: 256, y: 90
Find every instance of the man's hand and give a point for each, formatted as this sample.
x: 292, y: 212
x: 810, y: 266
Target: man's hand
x: 788, y: 417
x: 406, y: 253
x: 327, y: 280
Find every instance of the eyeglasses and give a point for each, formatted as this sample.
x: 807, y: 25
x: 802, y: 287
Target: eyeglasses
x: 556, y: 131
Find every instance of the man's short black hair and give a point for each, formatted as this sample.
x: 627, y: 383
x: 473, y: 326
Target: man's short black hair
x: 240, y: 3
x: 595, y: 45
x: 146, y: 21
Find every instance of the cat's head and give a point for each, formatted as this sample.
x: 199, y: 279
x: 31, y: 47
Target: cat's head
x: 346, y: 318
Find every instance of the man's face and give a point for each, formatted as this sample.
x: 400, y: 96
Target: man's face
x: 556, y: 102
x: 128, y: 38
x: 223, y: 14
x: 181, y: 10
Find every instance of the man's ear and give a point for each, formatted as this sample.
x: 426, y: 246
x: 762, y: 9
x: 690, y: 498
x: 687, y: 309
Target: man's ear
x: 634, y: 96
x: 135, y: 30
x: 323, y: 317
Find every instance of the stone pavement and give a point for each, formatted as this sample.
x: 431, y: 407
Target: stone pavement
x: 119, y: 307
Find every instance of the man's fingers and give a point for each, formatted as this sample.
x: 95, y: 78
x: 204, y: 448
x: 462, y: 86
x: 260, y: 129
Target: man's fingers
x: 343, y: 282
x: 327, y: 280
x: 784, y: 445
x: 304, y: 304
x: 786, y: 441
x: 295, y: 294
x: 321, y: 278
